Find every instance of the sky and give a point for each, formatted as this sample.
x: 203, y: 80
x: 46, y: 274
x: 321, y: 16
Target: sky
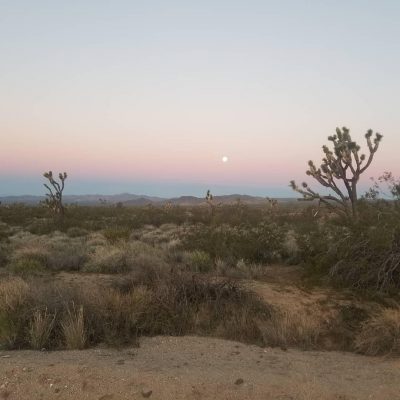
x: 147, y: 96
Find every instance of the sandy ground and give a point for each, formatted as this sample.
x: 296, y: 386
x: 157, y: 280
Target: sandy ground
x: 196, y: 368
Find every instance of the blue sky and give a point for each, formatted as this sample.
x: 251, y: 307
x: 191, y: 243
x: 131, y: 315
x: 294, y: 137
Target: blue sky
x: 147, y: 96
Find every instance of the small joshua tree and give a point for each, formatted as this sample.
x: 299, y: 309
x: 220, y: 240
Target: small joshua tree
x: 210, y: 202
x: 340, y: 171
x: 55, y: 192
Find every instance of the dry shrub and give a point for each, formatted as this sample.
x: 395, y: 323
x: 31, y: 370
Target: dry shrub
x: 73, y: 328
x: 44, y: 314
x: 116, y: 234
x: 32, y: 254
x: 13, y: 293
x: 40, y: 329
x: 239, y: 270
x: 124, y: 257
x: 116, y: 317
x: 293, y: 328
x: 185, y: 303
x: 13, y: 299
x: 380, y: 334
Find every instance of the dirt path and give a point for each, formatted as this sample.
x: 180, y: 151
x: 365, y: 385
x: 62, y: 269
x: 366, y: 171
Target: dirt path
x: 196, y: 368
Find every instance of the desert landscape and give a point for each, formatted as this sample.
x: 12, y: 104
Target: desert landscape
x: 199, y: 200
x: 117, y: 301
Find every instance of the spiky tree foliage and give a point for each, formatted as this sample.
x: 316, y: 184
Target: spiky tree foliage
x: 340, y: 171
x: 55, y: 191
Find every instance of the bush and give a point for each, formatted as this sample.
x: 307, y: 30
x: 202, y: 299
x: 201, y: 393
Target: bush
x: 26, y: 267
x: 262, y: 243
x: 73, y: 328
x: 199, y: 261
x: 114, y: 235
x: 124, y: 257
x: 380, y: 334
x: 40, y: 329
x: 42, y: 314
x: 362, y: 254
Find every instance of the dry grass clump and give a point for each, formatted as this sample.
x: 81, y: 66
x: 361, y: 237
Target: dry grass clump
x: 40, y: 328
x: 239, y: 270
x: 294, y: 328
x: 13, y: 299
x: 73, y: 328
x: 380, y: 334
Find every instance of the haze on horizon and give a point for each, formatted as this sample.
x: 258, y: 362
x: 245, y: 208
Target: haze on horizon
x: 147, y: 97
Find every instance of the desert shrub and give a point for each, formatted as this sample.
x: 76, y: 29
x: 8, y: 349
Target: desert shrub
x: 293, y: 328
x: 198, y: 261
x: 43, y: 314
x: 362, y: 254
x: 40, y: 329
x: 239, y: 270
x: 41, y: 226
x: 73, y: 327
x: 184, y: 303
x: 380, y: 334
x: 108, y: 259
x: 74, y: 232
x: 53, y: 252
x: 262, y: 243
x: 5, y: 232
x: 4, y: 255
x: 124, y: 257
x: 26, y: 267
x: 13, y: 301
x: 116, y: 234
x: 66, y: 254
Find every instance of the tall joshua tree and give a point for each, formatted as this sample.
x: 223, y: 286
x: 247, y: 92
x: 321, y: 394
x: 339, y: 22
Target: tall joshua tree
x: 55, y: 192
x: 340, y: 171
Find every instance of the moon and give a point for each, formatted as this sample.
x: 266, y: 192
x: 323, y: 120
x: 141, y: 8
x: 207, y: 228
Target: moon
x: 224, y: 159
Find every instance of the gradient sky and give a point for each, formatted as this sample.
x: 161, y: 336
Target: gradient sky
x: 147, y: 96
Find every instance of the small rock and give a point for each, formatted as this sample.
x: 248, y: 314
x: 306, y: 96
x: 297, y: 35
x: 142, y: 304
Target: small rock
x: 146, y: 393
x: 6, y: 356
x: 283, y: 348
x: 239, y: 381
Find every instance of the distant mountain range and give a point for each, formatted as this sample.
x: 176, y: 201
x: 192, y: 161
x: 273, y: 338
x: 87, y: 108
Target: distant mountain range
x: 139, y: 200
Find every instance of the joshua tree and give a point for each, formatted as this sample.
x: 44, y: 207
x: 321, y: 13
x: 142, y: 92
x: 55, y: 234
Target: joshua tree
x: 210, y: 202
x: 55, y: 191
x: 340, y: 171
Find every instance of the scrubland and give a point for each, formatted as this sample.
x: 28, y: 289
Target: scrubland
x: 298, y: 288
x: 267, y: 276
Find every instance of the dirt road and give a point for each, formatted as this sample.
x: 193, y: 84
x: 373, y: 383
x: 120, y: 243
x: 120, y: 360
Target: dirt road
x: 196, y: 368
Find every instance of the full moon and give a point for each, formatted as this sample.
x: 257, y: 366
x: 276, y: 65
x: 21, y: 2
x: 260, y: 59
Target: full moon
x: 224, y: 159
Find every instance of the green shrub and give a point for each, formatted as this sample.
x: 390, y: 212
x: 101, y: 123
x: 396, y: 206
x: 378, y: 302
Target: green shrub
x: 26, y: 267
x: 114, y: 235
x: 262, y: 243
x: 199, y: 261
